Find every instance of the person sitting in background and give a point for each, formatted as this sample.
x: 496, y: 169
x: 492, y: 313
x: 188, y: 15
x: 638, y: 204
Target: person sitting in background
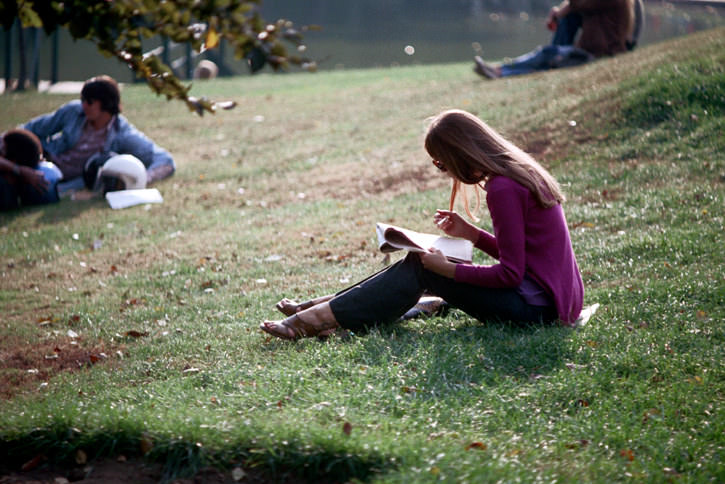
x: 606, y: 29
x: 25, y: 178
x: 93, y: 129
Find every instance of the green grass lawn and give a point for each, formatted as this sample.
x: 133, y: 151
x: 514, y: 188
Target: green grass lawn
x: 134, y: 333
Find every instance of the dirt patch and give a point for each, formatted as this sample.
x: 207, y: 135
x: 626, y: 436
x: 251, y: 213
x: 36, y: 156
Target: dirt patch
x: 26, y: 366
x: 107, y: 471
x: 356, y: 180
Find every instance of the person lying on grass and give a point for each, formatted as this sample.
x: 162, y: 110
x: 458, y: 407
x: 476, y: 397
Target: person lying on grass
x: 536, y: 278
x: 25, y: 177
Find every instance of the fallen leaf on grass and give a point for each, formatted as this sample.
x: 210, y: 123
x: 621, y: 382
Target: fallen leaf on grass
x: 695, y: 379
x: 81, y: 457
x: 347, y: 428
x: 136, y: 334
x: 578, y: 444
x: 652, y: 412
x: 44, y: 321
x: 33, y: 463
x: 238, y: 474
x: 133, y: 302
x: 476, y: 445
x: 146, y: 444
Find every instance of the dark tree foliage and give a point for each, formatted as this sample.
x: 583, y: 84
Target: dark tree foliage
x: 117, y: 27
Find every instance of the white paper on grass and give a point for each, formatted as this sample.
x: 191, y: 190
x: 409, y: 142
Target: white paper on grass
x: 129, y: 198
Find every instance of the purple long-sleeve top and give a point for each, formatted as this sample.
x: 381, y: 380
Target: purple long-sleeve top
x: 527, y: 240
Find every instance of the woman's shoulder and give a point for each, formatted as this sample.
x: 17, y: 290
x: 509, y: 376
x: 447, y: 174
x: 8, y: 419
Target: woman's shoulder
x: 500, y: 182
x: 502, y: 191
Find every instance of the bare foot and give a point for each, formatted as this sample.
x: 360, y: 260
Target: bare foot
x: 283, y: 330
x: 278, y: 329
x: 315, y: 321
x: 288, y: 307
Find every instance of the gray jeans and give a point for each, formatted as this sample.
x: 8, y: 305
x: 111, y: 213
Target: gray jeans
x: 385, y: 296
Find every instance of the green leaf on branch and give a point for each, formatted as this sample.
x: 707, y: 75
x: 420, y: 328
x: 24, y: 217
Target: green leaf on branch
x: 118, y: 28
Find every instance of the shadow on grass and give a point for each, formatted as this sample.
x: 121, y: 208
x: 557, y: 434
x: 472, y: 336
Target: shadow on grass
x: 445, y: 354
x: 64, y: 450
x: 459, y: 349
x: 52, y: 213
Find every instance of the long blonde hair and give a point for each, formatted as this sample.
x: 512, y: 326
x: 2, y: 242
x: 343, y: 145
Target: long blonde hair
x: 472, y: 152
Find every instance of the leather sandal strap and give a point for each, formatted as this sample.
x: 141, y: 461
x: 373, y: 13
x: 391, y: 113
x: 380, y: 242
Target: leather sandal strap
x: 303, y: 329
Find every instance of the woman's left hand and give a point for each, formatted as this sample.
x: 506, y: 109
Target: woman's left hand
x: 435, y: 261
x: 34, y: 178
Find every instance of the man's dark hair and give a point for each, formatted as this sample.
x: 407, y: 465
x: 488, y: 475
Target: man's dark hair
x: 22, y: 147
x: 103, y: 89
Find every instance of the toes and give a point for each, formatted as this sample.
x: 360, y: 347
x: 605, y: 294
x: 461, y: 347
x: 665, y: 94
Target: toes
x: 277, y: 328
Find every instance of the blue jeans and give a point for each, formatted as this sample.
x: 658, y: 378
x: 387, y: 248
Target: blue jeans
x: 561, y: 52
x: 12, y: 195
x: 566, y: 29
x: 385, y: 296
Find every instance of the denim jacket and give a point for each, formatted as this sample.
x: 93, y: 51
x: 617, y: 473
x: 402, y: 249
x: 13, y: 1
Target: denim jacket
x: 59, y: 131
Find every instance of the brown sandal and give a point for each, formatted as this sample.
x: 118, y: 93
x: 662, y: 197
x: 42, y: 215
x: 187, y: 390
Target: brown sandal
x: 300, y: 328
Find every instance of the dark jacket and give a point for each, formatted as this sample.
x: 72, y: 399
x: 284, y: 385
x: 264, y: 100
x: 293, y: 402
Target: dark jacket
x: 606, y: 25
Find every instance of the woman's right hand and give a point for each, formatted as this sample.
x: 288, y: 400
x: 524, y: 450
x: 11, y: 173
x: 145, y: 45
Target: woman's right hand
x: 454, y: 225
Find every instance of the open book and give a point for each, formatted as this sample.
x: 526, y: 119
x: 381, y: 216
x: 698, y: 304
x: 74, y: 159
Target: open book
x: 392, y: 238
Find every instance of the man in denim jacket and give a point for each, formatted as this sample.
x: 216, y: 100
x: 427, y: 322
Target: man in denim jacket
x: 94, y: 126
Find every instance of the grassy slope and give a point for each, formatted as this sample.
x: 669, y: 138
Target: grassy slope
x: 635, y: 395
